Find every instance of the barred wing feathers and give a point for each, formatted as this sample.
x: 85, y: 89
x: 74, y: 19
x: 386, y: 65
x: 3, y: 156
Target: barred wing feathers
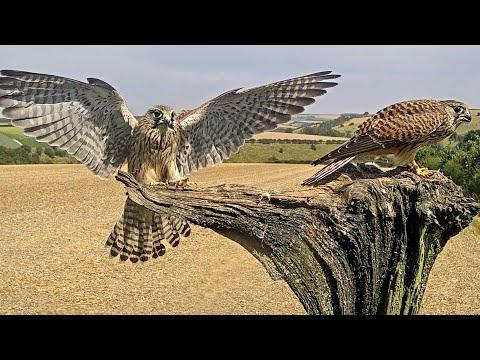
x: 90, y: 121
x: 399, y: 124
x: 218, y: 128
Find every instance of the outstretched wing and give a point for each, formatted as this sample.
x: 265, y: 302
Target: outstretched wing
x: 218, y: 128
x: 90, y: 121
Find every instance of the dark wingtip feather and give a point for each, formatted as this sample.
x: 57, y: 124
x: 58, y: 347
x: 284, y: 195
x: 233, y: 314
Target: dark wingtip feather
x: 10, y: 72
x: 101, y: 83
x: 326, y: 85
x: 325, y: 73
x: 327, y: 172
x: 17, y: 73
x: 320, y: 73
x: 316, y: 92
x: 323, y: 158
x: 229, y: 92
x: 318, y: 161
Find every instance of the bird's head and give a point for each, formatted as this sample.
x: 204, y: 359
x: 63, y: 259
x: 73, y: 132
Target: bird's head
x: 458, y: 110
x: 161, y: 117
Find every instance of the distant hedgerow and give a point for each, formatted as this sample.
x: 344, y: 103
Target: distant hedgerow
x: 461, y: 162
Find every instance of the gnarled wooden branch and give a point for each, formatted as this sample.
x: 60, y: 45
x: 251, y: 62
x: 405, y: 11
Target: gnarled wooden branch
x: 361, y: 246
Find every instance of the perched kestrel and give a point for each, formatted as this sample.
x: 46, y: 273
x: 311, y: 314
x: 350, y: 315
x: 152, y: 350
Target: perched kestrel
x: 400, y: 130
x: 91, y: 122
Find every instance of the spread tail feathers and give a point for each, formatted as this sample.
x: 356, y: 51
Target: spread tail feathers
x: 327, y: 170
x: 139, y: 233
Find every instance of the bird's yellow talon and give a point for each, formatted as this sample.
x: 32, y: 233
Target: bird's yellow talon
x: 180, y: 184
x: 424, y: 172
x: 158, y: 183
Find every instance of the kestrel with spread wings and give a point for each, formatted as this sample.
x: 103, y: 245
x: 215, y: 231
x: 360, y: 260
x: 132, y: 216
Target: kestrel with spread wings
x: 400, y: 130
x: 91, y: 122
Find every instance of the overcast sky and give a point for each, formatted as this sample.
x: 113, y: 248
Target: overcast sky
x: 186, y: 76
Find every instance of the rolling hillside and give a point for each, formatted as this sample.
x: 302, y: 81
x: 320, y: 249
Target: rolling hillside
x: 15, y: 133
x: 304, y: 120
x: 8, y: 142
x: 350, y: 126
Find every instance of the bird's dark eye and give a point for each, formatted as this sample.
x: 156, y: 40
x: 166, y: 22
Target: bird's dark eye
x: 157, y: 113
x: 173, y: 115
x: 457, y: 109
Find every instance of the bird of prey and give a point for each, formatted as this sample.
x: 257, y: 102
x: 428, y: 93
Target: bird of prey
x: 399, y: 130
x: 91, y: 122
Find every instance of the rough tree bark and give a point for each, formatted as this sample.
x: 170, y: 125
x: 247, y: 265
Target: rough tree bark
x: 362, y: 244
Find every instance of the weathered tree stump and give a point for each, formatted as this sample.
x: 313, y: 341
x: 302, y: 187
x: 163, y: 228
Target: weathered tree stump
x: 361, y: 246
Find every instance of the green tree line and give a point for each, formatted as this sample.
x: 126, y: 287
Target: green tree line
x: 37, y: 155
x: 460, y: 162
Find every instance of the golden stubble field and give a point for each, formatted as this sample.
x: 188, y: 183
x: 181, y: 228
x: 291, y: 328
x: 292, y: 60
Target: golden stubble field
x: 54, y: 220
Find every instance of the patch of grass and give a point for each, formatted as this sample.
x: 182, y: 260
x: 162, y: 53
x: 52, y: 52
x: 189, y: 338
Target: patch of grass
x: 17, y: 134
x: 8, y: 142
x: 39, y: 152
x: 432, y: 162
x: 270, y: 153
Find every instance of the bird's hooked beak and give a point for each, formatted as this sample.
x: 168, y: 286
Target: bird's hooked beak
x: 166, y: 120
x: 466, y: 117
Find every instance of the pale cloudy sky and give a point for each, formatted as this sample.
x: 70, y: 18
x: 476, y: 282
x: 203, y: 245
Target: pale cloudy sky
x: 185, y: 76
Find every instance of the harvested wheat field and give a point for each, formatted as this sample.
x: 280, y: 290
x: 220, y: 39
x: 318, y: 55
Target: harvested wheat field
x: 54, y: 220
